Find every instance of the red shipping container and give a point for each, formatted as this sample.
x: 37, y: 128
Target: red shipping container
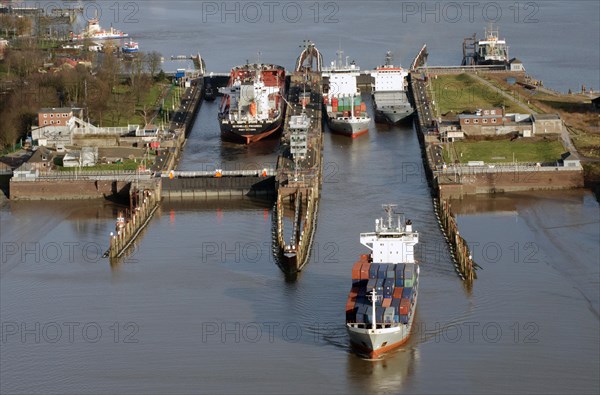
x: 387, y: 302
x: 398, y: 292
x: 404, y: 306
x: 354, y: 291
x: 364, y: 271
x: 350, y: 305
x: 364, y: 257
x: 334, y: 102
x: 356, y: 271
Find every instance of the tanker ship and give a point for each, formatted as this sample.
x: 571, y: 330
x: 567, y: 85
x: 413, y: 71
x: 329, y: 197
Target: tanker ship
x: 252, y: 106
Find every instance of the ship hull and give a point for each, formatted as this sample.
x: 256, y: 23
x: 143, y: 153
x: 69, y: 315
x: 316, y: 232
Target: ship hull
x: 393, y: 116
x: 391, y: 107
x: 249, y: 133
x: 374, y: 343
x: 249, y: 129
x: 347, y: 127
x: 491, y: 62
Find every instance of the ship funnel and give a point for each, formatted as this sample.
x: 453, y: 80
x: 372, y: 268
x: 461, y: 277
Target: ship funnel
x: 408, y: 227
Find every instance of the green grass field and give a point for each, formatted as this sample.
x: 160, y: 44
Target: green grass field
x: 461, y: 92
x: 502, y: 151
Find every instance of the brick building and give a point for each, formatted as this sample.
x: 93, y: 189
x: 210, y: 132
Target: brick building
x: 54, y: 116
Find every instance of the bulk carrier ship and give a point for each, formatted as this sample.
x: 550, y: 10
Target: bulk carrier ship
x: 382, y: 303
x: 252, y: 107
x: 390, y: 99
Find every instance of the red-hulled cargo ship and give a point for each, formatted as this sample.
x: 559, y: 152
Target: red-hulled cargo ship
x: 252, y: 106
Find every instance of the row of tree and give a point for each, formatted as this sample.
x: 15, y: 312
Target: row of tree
x: 111, y: 92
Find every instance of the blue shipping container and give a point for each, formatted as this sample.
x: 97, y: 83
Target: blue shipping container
x: 399, y: 282
x: 407, y: 293
x: 404, y: 319
x: 373, y: 269
x: 371, y: 284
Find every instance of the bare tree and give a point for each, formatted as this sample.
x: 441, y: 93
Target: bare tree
x: 153, y: 61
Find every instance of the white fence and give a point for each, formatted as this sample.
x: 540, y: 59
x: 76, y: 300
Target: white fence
x: 98, y: 175
x: 222, y: 173
x: 502, y: 168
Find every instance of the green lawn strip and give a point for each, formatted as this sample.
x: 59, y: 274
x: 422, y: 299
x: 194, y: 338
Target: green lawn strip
x: 462, y: 92
x: 503, y: 151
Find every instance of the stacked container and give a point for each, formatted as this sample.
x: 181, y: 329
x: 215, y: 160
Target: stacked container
x: 393, y: 284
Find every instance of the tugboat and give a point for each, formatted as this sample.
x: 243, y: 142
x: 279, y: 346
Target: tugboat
x: 209, y: 92
x: 382, y: 303
x: 130, y: 47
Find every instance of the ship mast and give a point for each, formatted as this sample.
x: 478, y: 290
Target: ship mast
x: 373, y: 300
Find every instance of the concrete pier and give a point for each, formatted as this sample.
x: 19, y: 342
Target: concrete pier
x: 299, y: 178
x: 137, y: 219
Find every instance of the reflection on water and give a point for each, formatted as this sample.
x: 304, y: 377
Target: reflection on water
x: 389, y: 374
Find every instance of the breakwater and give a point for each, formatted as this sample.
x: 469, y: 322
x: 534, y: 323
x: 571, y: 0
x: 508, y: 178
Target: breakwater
x: 131, y: 223
x: 299, y: 170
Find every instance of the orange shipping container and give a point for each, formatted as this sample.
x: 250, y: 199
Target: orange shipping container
x: 387, y: 302
x: 356, y: 271
x: 363, y: 106
x: 364, y: 271
x: 398, y: 293
x: 364, y: 257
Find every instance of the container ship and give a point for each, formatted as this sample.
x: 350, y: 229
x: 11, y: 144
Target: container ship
x: 382, y: 303
x: 346, y: 111
x: 390, y: 99
x: 252, y: 105
x: 93, y: 31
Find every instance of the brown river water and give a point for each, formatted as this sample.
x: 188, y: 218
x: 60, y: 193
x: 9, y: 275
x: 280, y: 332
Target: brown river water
x: 199, y: 305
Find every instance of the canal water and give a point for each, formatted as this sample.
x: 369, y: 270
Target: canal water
x: 199, y: 305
